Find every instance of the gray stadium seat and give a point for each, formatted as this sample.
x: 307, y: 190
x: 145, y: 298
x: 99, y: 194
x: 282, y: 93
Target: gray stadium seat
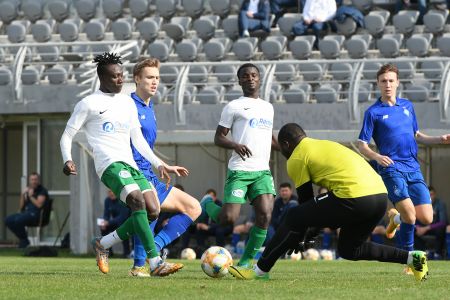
x: 216, y: 48
x: 33, y: 10
x: 68, y: 31
x: 16, y: 33
x: 405, y: 21
x: 341, y: 71
x: 198, y: 75
x: 30, y: 75
x: 297, y: 93
x: 177, y: 27
x: 168, y: 74
x: 432, y: 70
x: 419, y: 44
x: 41, y: 32
x: 301, y: 47
x: 233, y: 93
x: 230, y: 27
x: 206, y: 26
x: 407, y: 69
x: 286, y: 22
x: 112, y: 9
x: 389, y: 45
x: 435, y: 20
x: 443, y: 43
x: 188, y: 48
x: 220, y: 7
x: 161, y: 49
x: 275, y: 93
x: 9, y: 11
x: 59, y: 10
x: 86, y: 9
x: 139, y: 9
x: 376, y: 21
x: 370, y: 70
x: 166, y: 8
x: 328, y: 93
x: 363, y: 5
x: 330, y: 46
x: 273, y: 47
x: 311, y: 72
x: 48, y: 53
x: 346, y: 28
x: 95, y: 30
x: 245, y: 48
x: 193, y: 8
x: 358, y: 46
x: 285, y: 73
x: 210, y: 95
x: 226, y: 74
x: 99, y: 48
x: 418, y: 91
x: 5, y: 76
x: 57, y: 75
x: 364, y: 92
x: 148, y: 28
x: 160, y: 94
x: 188, y: 96
x: 121, y: 29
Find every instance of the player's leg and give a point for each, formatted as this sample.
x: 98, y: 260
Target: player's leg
x: 420, y: 196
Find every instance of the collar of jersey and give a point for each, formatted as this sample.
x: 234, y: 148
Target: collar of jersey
x: 137, y: 98
x: 397, y: 99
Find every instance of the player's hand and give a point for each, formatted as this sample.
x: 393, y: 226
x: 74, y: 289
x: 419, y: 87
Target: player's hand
x: 179, y: 171
x: 445, y: 139
x: 70, y: 168
x: 250, y: 14
x: 164, y: 175
x: 243, y: 151
x: 384, y: 160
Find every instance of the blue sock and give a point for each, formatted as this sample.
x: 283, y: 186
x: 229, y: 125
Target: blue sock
x: 176, y: 226
x: 152, y: 226
x: 326, y: 240
x: 377, y: 238
x: 235, y: 238
x: 448, y: 244
x: 407, y: 236
x: 139, y: 252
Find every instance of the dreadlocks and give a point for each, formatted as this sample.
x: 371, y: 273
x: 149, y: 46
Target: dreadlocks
x: 107, y: 58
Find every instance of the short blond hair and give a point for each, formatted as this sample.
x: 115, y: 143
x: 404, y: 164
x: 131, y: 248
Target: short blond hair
x: 147, y: 62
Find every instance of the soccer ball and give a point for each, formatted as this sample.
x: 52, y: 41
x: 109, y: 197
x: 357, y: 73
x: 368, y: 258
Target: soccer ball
x: 188, y: 254
x: 326, y: 254
x: 311, y: 254
x: 215, y: 261
x: 294, y: 256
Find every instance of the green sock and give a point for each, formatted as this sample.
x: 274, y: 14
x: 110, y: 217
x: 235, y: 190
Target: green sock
x: 126, y: 229
x: 213, y: 211
x: 142, y: 229
x: 256, y: 239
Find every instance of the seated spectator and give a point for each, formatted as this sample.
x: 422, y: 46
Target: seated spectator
x: 254, y: 15
x: 114, y: 214
x: 406, y: 5
x: 283, y: 203
x: 279, y: 8
x: 30, y: 205
x: 315, y: 15
x: 435, y: 229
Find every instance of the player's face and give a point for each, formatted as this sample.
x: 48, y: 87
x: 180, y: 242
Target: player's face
x: 148, y: 81
x: 249, y: 80
x: 33, y: 181
x: 112, y: 81
x: 388, y: 84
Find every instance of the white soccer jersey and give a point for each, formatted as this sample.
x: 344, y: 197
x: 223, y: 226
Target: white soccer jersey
x: 250, y: 121
x: 107, y: 120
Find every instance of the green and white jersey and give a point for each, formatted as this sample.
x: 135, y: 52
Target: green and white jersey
x: 107, y: 120
x: 250, y: 121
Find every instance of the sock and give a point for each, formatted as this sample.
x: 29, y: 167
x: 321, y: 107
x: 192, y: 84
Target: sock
x: 256, y: 239
x: 213, y: 211
x: 110, y: 239
x: 153, y: 225
x: 326, y: 240
x: 154, y: 262
x: 397, y: 219
x: 407, y: 236
x: 139, y: 252
x: 235, y: 238
x: 377, y: 238
x: 126, y: 229
x: 410, y: 258
x: 258, y: 271
x: 142, y: 229
x: 447, y: 237
x: 176, y: 226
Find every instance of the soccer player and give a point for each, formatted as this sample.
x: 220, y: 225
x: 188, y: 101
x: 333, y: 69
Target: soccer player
x: 356, y: 201
x: 250, y: 120
x: 171, y: 199
x: 391, y: 122
x: 110, y: 120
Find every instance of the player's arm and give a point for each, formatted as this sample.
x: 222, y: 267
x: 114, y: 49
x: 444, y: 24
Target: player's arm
x: 38, y: 201
x: 221, y: 140
x: 275, y: 145
x: 22, y: 201
x: 66, y: 151
x: 372, y: 155
x: 305, y: 192
x: 422, y: 138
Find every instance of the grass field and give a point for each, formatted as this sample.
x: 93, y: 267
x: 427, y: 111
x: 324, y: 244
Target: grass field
x: 78, y: 278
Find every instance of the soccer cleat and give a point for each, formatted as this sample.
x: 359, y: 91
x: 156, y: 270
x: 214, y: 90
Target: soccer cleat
x: 101, y: 256
x: 139, y: 272
x: 392, y: 227
x: 165, y: 269
x: 419, y: 265
x: 246, y: 273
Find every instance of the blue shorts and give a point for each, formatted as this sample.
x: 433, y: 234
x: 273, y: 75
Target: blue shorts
x: 402, y: 185
x: 160, y: 187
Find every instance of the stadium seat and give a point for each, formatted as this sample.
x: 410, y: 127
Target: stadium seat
x: 139, y: 9
x: 206, y: 26
x: 226, y: 74
x: 389, y: 45
x: 443, y: 43
x: 418, y: 91
x: 341, y: 71
x: 312, y: 72
x: 405, y: 21
x: 364, y: 92
x: 328, y: 93
x: 297, y: 93
x: 177, y: 27
x: 346, y: 28
x: 198, y: 75
x: 370, y: 70
x: 189, y: 94
x: 57, y: 75
x: 68, y: 31
x: 419, y: 44
x: 148, y: 28
x: 363, y: 5
x: 230, y: 27
x: 16, y: 32
x: 95, y: 30
x: 220, y: 7
x: 330, y: 46
x: 168, y: 74
x: 30, y: 75
x: 9, y: 10
x: 376, y: 21
x: 121, y: 29
x: 273, y: 46
x: 286, y: 22
x: 166, y: 8
x: 41, y: 32
x: 210, y: 95
x: 275, y: 93
x: 86, y: 9
x: 161, y: 49
x: 301, y: 47
x: 407, y: 69
x: 432, y: 70
x: 112, y: 9
x: 48, y: 53
x: 285, y: 73
x: 216, y: 48
x: 358, y: 46
x: 160, y: 94
x: 233, y: 93
x: 435, y: 20
x: 33, y: 10
x: 5, y: 76
x: 245, y: 48
x: 193, y: 8
x: 188, y: 48
x: 59, y: 10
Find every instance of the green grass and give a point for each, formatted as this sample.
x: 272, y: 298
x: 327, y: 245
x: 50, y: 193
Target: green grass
x: 78, y: 278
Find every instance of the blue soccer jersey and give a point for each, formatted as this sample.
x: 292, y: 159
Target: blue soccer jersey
x: 393, y: 128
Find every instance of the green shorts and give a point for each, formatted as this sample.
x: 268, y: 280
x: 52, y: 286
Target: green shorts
x: 119, y: 175
x: 242, y: 185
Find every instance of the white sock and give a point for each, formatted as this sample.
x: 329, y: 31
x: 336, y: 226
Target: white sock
x: 258, y: 271
x: 410, y: 258
x: 110, y: 240
x: 154, y: 262
x: 397, y: 219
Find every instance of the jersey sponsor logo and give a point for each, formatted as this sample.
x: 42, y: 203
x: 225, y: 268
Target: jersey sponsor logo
x: 385, y: 117
x: 238, y: 193
x: 124, y: 174
x: 142, y: 117
x: 108, y: 127
x: 406, y: 112
x: 260, y: 123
